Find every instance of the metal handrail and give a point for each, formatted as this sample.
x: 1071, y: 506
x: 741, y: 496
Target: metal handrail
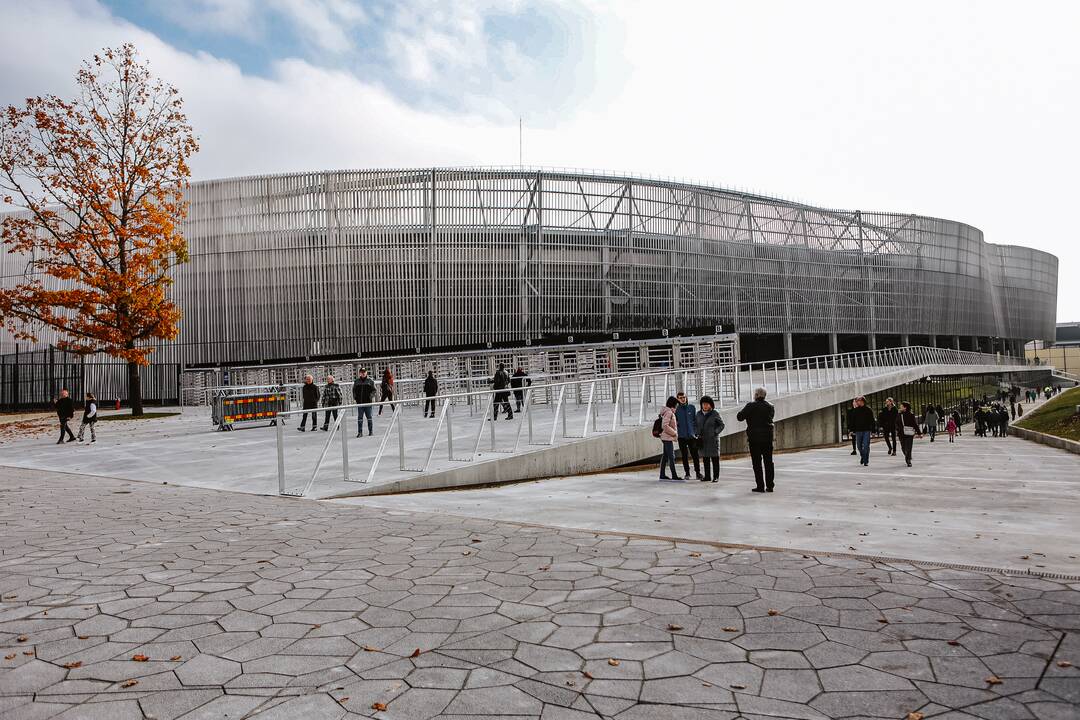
x: 826, y: 369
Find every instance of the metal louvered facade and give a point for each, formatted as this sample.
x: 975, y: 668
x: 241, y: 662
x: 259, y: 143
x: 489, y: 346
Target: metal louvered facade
x: 366, y: 262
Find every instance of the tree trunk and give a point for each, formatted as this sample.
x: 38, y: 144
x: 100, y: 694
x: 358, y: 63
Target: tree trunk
x: 134, y: 389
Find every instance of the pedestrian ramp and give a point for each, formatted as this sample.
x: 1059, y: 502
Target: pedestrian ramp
x: 580, y: 426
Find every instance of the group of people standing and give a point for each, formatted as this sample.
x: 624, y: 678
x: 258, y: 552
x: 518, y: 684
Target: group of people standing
x: 697, y: 434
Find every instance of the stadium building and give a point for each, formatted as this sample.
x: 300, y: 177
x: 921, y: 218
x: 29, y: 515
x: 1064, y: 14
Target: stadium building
x: 305, y: 266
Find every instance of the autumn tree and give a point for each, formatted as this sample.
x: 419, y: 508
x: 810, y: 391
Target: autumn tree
x: 100, y: 182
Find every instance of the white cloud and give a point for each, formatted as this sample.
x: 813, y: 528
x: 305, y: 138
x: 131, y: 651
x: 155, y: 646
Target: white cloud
x: 969, y: 117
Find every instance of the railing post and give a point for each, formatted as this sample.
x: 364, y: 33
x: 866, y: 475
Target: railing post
x: 344, y: 444
x: 400, y: 439
x: 449, y: 430
x: 615, y: 414
x: 280, y: 456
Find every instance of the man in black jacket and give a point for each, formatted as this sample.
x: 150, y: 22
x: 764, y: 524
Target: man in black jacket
x: 759, y: 438
x: 887, y: 422
x: 431, y: 389
x: 501, y: 381
x: 65, y: 410
x: 363, y: 391
x: 519, y: 380
x: 861, y: 422
x: 309, y: 397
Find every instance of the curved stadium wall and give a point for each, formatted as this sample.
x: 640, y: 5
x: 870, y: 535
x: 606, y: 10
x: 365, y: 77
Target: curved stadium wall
x: 381, y: 261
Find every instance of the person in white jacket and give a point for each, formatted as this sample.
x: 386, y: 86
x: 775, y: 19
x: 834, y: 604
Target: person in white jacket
x: 89, y: 417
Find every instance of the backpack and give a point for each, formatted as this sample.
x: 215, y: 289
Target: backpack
x: 658, y: 426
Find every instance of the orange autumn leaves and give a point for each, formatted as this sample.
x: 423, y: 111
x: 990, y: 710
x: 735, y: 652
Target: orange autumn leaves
x: 99, y: 180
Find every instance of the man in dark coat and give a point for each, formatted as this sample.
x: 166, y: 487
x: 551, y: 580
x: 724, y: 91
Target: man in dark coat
x: 363, y: 391
x: 309, y: 397
x: 65, y: 410
x: 519, y: 381
x: 759, y: 438
x: 861, y: 423
x: 501, y: 381
x: 887, y: 422
x: 431, y: 389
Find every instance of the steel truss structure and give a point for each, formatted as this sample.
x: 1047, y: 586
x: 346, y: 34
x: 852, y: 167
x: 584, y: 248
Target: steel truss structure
x: 350, y: 263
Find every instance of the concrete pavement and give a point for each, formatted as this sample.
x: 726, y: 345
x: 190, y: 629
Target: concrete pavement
x: 135, y: 600
x: 1000, y: 503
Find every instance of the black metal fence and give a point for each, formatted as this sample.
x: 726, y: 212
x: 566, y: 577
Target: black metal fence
x: 33, y: 379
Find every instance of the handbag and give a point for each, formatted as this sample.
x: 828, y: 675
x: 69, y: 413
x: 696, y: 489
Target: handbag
x: 909, y: 431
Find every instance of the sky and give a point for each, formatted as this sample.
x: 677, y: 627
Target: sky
x: 962, y: 110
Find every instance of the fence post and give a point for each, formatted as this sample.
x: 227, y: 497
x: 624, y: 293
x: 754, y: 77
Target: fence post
x: 280, y: 457
x: 344, y: 432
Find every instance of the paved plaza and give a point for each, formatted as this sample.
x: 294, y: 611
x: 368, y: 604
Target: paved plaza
x: 142, y: 600
x: 989, y: 502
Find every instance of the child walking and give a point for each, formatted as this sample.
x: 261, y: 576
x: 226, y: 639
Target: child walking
x: 89, y: 417
x: 950, y: 427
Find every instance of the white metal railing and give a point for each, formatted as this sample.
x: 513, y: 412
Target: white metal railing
x: 610, y: 403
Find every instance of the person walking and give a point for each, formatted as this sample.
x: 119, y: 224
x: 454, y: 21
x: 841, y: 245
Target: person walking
x: 499, y: 382
x: 1003, y: 422
x: 386, y: 388
x: 851, y: 433
x: 309, y: 403
x: 950, y: 427
x: 758, y: 415
x: 861, y: 423
x: 931, y: 419
x: 89, y: 417
x: 1019, y: 410
x: 685, y: 417
x: 907, y: 429
x: 363, y: 393
x: 65, y: 410
x: 669, y: 433
x: 709, y: 425
x: 887, y: 422
x: 431, y: 389
x: 519, y: 381
x: 331, y: 399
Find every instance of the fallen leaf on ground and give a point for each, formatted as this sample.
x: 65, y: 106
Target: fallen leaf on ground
x: 883, y: 621
x: 588, y: 674
x: 544, y: 567
x: 730, y: 629
x: 73, y: 665
x: 774, y: 612
x: 10, y: 657
x: 1025, y: 557
x: 21, y: 638
x: 476, y: 539
x: 466, y: 552
x: 674, y: 627
x: 738, y: 687
x: 571, y: 683
x: 28, y: 652
x: 954, y: 643
x: 993, y: 680
x: 368, y: 648
x: 914, y: 716
x: 82, y: 637
x: 316, y: 626
x: 344, y: 699
x: 129, y: 683
x: 613, y: 662
x: 695, y: 554
x: 378, y: 706
x: 174, y: 658
x: 140, y: 658
x: 705, y: 684
x: 415, y: 653
x: 1064, y: 663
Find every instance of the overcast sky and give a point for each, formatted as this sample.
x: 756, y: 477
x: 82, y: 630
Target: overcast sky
x: 962, y: 110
